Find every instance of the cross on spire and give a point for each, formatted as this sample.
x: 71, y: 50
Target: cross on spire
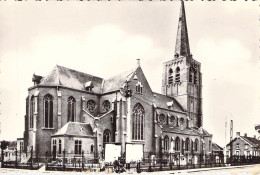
x: 182, y: 47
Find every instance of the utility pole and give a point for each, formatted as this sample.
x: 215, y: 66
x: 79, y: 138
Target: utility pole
x: 231, y: 138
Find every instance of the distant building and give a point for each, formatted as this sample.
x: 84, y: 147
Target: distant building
x: 217, y: 151
x: 244, y: 146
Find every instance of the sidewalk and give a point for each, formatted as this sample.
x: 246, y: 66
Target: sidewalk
x: 42, y: 170
x: 203, y: 169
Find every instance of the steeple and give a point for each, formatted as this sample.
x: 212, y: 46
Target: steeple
x: 182, y: 47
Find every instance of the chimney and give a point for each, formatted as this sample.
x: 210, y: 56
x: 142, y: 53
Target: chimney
x: 238, y: 134
x: 138, y: 62
x: 245, y: 134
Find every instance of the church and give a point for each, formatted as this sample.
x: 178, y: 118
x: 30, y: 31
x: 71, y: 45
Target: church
x: 77, y: 112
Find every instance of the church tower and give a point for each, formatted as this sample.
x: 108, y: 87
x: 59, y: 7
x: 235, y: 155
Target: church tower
x: 182, y: 77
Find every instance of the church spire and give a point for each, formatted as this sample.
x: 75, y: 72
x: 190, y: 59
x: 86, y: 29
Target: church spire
x: 182, y: 46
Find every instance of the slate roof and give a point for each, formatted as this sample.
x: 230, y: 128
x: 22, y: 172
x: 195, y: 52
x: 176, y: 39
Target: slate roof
x: 116, y: 82
x: 188, y: 131
x: 251, y: 140
x: 216, y: 147
x: 75, y: 129
x: 62, y: 76
x: 161, y: 101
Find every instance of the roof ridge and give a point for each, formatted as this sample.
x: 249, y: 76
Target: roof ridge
x: 59, y: 66
x: 132, y: 70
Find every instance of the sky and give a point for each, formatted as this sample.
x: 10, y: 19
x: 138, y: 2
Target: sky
x: 106, y: 38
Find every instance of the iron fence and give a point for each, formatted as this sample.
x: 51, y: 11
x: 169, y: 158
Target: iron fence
x: 151, y: 161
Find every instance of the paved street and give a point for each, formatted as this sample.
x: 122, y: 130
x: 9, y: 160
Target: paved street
x: 239, y: 170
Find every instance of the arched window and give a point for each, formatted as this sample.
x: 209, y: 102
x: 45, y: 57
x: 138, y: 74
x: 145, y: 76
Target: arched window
x: 166, y: 143
x: 162, y: 119
x: 91, y: 106
x: 92, y: 148
x: 71, y: 109
x: 48, y: 111
x: 187, y: 144
x: 196, y: 145
x: 192, y: 146
x: 172, y: 120
x: 106, y: 136
x: 177, y: 75
x: 138, y: 122
x: 191, y: 75
x: 195, y: 77
x: 106, y: 106
x: 32, y: 111
x: 59, y: 149
x: 54, y: 147
x: 181, y: 122
x: 170, y: 77
x: 177, y: 144
x: 182, y: 146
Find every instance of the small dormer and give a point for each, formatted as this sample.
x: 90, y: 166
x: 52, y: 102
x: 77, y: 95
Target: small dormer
x: 169, y: 104
x: 36, y: 79
x: 89, y: 86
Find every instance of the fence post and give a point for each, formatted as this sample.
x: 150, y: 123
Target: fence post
x: 63, y: 162
x: 150, y: 162
x: 15, y: 157
x: 82, y: 160
x: 2, y: 157
x: 31, y: 166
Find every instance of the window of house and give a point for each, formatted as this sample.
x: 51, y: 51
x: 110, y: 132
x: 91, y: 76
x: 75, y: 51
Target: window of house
x: 181, y: 122
x: 92, y: 148
x: 209, y: 145
x: 59, y: 149
x: 106, y: 106
x: 246, y: 146
x: 187, y: 144
x: 54, y: 147
x: 91, y: 106
x: 78, y: 146
x: 237, y: 146
x: 21, y: 146
x: 191, y: 75
x: 248, y: 153
x: 183, y: 146
x: 138, y: 122
x: 170, y: 77
x: 71, y: 109
x: 187, y: 120
x: 48, y: 111
x: 32, y: 111
x: 162, y: 119
x: 237, y: 153
x: 177, y: 75
x: 106, y: 136
x: 172, y: 120
x: 192, y: 146
x: 177, y: 144
x: 89, y: 89
x: 196, y: 144
x: 166, y: 143
x: 139, y: 88
x: 195, y: 77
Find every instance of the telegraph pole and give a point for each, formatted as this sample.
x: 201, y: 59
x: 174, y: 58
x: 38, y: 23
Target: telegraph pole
x: 231, y: 138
